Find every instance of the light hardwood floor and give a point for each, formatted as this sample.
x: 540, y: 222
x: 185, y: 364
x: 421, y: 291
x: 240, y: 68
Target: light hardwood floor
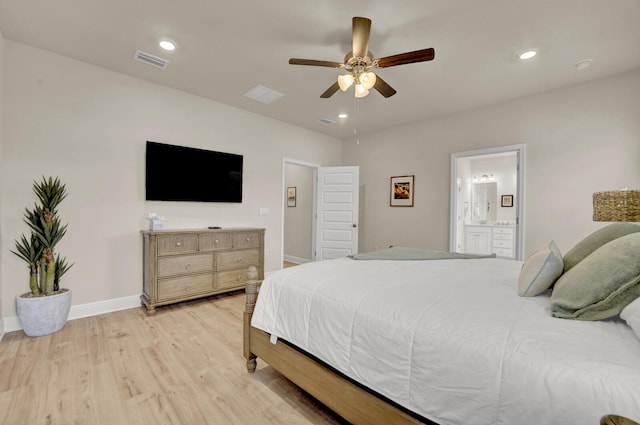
x: 182, y: 366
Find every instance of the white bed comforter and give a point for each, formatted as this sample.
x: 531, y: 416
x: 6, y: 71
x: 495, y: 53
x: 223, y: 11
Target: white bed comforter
x: 451, y: 341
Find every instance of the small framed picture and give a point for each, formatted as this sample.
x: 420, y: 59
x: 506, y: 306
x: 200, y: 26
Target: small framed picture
x: 402, y: 191
x: 291, y: 196
x: 506, y: 201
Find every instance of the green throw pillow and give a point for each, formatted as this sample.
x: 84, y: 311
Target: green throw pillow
x: 602, y: 284
x: 595, y: 240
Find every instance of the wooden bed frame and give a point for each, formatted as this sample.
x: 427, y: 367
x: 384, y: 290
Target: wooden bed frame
x: 348, y: 399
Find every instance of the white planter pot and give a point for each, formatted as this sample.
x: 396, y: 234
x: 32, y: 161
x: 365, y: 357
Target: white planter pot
x: 43, y: 315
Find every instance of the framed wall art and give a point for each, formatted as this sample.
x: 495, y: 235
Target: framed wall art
x: 506, y: 201
x: 402, y: 191
x: 291, y: 196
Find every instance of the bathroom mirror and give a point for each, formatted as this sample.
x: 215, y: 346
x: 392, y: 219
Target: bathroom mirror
x: 484, y: 202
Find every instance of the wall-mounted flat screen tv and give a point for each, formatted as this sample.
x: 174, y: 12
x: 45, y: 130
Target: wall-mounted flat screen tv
x: 179, y: 173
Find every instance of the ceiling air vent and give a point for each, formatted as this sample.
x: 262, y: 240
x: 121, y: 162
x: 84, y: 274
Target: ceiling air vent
x: 150, y: 59
x: 325, y: 121
x: 263, y: 94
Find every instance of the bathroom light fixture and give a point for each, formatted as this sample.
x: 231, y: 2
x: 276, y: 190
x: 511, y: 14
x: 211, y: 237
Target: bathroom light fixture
x: 343, y: 115
x: 484, y: 178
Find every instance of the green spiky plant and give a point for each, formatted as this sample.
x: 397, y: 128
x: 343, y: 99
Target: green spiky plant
x: 38, y: 251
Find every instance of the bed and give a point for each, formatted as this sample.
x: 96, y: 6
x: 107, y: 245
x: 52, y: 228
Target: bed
x: 440, y: 341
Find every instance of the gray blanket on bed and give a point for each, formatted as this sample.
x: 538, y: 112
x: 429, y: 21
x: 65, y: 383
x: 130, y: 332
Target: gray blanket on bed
x: 403, y: 253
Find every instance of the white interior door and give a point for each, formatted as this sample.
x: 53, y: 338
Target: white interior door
x: 337, y: 212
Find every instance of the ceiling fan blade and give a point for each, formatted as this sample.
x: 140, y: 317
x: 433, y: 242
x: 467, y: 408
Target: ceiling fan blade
x: 385, y: 89
x: 330, y: 91
x: 312, y: 62
x: 360, y: 36
x: 409, y: 57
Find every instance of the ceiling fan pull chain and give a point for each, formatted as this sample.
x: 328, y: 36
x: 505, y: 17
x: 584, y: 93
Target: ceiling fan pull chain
x: 356, y: 117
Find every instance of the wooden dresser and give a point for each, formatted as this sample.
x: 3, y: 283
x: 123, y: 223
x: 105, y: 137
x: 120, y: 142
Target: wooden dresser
x: 181, y: 265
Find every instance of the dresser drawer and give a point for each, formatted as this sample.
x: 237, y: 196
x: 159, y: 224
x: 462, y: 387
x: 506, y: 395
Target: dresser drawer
x: 181, y: 264
x: 502, y: 236
x: 214, y: 241
x: 185, y: 286
x: 477, y: 229
x: 178, y: 244
x: 246, y: 240
x: 503, y: 252
x: 237, y: 259
x: 503, y: 231
x: 502, y: 244
x: 231, y: 278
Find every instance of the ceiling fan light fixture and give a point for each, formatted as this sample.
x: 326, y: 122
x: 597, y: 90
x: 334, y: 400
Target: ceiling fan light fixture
x: 361, y: 91
x: 368, y: 79
x: 345, y: 81
x: 357, y: 64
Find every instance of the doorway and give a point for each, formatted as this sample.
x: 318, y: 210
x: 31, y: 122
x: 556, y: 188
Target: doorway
x: 487, y: 201
x: 299, y: 212
x: 320, y: 211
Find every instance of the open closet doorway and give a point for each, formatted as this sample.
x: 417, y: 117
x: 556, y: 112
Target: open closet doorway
x: 299, y: 212
x: 320, y: 211
x: 487, y: 201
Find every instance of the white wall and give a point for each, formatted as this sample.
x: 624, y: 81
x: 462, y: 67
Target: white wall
x: 2, y: 83
x: 580, y: 139
x: 88, y: 126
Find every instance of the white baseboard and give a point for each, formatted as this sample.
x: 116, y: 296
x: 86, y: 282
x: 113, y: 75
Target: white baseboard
x: 1, y: 329
x: 79, y: 311
x: 297, y: 260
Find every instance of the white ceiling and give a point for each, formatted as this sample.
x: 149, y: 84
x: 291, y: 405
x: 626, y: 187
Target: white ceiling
x: 225, y: 48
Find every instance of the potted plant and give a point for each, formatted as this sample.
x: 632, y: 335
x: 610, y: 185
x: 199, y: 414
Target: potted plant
x: 45, y: 308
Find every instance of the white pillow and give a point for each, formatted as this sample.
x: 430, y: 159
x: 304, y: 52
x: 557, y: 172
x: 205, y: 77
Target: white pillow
x: 540, y: 271
x: 631, y: 315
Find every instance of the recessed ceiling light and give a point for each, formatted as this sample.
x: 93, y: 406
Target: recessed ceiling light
x: 167, y: 45
x: 527, y: 55
x: 343, y: 116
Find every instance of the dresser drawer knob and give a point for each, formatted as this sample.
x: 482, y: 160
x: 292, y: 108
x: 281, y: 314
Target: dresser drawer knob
x: 239, y: 278
x: 186, y: 288
x: 248, y: 239
x: 239, y: 259
x: 216, y: 241
x: 178, y: 243
x: 187, y: 266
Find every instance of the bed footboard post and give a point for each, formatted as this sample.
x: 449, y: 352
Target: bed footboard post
x: 251, y: 292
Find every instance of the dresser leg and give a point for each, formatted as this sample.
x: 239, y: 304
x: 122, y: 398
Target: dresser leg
x: 149, y: 309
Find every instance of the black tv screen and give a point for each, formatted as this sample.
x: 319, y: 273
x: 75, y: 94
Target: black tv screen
x: 179, y: 173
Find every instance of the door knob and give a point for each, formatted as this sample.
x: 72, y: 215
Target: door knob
x: 355, y: 225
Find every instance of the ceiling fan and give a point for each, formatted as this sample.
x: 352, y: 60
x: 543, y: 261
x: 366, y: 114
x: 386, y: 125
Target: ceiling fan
x: 359, y: 62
